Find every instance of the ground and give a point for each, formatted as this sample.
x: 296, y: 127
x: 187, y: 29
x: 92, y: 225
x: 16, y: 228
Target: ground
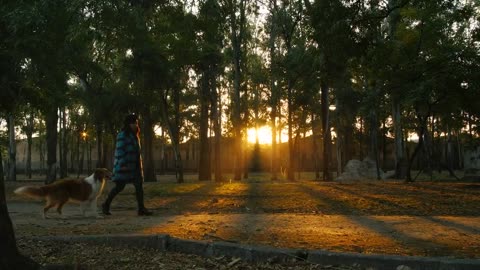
x: 422, y: 219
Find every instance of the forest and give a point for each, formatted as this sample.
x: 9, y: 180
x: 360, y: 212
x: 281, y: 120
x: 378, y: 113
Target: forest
x: 353, y: 75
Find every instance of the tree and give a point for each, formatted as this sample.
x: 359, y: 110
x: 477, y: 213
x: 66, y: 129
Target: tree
x: 209, y: 64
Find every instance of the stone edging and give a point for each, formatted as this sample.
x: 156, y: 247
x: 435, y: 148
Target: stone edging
x: 255, y: 254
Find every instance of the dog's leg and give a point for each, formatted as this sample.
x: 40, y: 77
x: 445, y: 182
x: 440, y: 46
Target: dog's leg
x: 93, y: 206
x: 83, y: 208
x: 48, y: 205
x: 59, y: 209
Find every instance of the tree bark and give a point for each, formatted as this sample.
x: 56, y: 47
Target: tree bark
x: 29, y: 133
x: 173, y: 130
x: 52, y: 135
x: 316, y: 157
x: 148, y: 136
x: 10, y: 257
x: 373, y: 152
x: 291, y: 149
x: 64, y: 145
x: 204, y: 170
x: 12, y: 149
x: 399, y: 146
x: 236, y: 34
x: 326, y: 131
x: 400, y: 159
x: 216, y: 119
x: 273, y: 96
x: 99, y: 132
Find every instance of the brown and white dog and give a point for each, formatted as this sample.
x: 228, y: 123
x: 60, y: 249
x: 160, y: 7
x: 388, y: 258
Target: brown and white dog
x: 85, y: 191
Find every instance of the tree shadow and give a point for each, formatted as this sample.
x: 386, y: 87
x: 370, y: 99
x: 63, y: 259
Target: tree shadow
x: 418, y: 245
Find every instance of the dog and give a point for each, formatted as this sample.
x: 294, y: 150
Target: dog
x: 85, y: 191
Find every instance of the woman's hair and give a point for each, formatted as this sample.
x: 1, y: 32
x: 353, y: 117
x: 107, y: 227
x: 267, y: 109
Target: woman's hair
x: 130, y: 119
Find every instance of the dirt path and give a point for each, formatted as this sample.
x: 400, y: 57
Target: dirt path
x: 436, y: 235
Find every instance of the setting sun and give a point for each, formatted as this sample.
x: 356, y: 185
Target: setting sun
x: 264, y: 135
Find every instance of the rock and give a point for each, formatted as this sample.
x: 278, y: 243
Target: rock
x: 357, y: 170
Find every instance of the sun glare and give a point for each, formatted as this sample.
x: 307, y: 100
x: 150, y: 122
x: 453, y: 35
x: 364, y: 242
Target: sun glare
x: 264, y: 135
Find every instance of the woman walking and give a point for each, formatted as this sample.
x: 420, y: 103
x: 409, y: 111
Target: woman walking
x: 128, y: 167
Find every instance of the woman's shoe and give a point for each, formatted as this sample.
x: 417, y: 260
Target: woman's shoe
x: 144, y: 212
x: 106, y: 209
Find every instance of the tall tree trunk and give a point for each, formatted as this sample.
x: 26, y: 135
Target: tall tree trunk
x: 2, y: 178
x: 384, y: 143
x: 273, y: 96
x: 12, y: 149
x: 81, y: 155
x: 326, y: 131
x: 73, y: 153
x: 316, y: 157
x: 89, y: 156
x: 29, y: 133
x: 148, y: 136
x: 162, y: 153
x: 460, y: 149
x: 256, y: 148
x: 41, y: 150
x: 360, y: 137
x: 28, y: 166
x: 291, y: 150
x: 398, y: 138
x: 99, y: 132
x: 237, y: 33
x: 64, y: 143
x: 216, y: 119
x: 51, y: 126
x: 373, y: 149
x: 204, y: 170
x: 400, y: 159
x: 450, y: 158
x: 173, y: 130
x: 10, y: 257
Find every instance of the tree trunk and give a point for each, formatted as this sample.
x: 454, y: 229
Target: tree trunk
x: 173, y: 130
x: 398, y: 146
x: 204, y: 170
x: 384, y: 143
x: 99, y: 131
x: 236, y: 34
x: 373, y: 152
x: 10, y: 257
x: 148, y: 136
x: 450, y: 151
x: 51, y: 126
x: 29, y: 133
x: 400, y: 160
x: 81, y: 143
x: 360, y: 137
x: 326, y: 131
x: 64, y: 145
x: 460, y: 150
x: 291, y: 150
x: 273, y: 96
x: 216, y: 119
x: 316, y: 157
x: 2, y: 178
x: 12, y: 149
x: 162, y: 153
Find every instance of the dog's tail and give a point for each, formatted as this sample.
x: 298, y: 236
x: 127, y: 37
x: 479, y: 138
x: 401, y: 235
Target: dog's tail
x: 31, y: 191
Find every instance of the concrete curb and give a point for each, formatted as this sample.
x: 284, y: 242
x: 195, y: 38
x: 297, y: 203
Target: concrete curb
x: 164, y: 242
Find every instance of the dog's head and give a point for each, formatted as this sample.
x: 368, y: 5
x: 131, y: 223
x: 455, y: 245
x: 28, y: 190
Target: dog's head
x: 102, y: 174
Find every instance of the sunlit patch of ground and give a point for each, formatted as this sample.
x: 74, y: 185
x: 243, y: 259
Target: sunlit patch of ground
x: 423, y: 218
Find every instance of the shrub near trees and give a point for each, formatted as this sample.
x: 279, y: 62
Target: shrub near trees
x: 199, y: 68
